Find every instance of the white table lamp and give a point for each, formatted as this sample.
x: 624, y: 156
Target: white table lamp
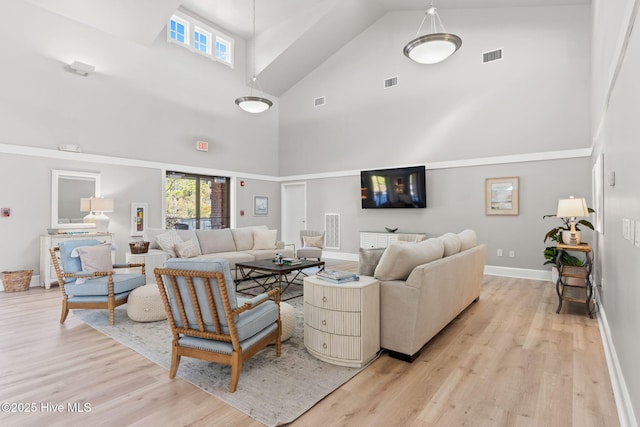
x: 100, y: 205
x: 572, y: 208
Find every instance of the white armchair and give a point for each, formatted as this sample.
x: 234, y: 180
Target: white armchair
x: 312, y: 244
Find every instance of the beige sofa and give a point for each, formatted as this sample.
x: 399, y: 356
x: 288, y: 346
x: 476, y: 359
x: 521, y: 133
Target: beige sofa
x: 233, y: 244
x: 423, y: 287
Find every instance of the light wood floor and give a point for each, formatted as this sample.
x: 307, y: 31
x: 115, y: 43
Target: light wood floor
x: 508, y: 360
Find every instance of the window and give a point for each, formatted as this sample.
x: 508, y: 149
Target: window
x: 198, y: 37
x: 197, y: 202
x: 178, y: 30
x: 201, y: 40
x: 222, y: 49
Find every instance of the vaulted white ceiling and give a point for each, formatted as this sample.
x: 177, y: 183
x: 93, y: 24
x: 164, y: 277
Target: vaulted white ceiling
x: 292, y: 36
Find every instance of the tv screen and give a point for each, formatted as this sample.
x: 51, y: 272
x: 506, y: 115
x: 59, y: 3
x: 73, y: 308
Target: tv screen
x: 394, y: 188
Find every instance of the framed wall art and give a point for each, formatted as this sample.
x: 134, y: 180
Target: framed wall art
x: 260, y: 206
x: 138, y: 218
x: 501, y: 196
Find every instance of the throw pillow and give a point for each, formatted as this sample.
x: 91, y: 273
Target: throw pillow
x: 468, y: 239
x: 264, y: 239
x: 398, y: 261
x: 368, y: 261
x: 168, y: 241
x: 313, y: 241
x: 96, y: 258
x: 150, y: 235
x: 186, y: 249
x: 451, y: 243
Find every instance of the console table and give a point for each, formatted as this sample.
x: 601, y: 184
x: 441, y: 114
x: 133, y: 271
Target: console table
x: 342, y: 320
x: 47, y: 272
x: 574, y: 277
x: 380, y: 239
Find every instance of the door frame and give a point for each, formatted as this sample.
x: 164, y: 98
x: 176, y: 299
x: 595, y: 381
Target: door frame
x: 286, y: 206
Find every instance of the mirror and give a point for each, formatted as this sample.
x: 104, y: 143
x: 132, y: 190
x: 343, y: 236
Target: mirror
x: 67, y: 188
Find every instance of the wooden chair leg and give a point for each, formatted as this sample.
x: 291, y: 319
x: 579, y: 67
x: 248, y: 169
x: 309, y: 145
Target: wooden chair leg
x: 175, y: 361
x: 65, y: 311
x: 236, y: 367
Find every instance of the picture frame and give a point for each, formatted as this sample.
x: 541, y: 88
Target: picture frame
x: 502, y: 196
x: 138, y: 218
x: 260, y: 206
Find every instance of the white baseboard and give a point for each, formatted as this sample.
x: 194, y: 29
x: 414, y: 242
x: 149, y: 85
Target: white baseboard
x: 340, y: 255
x: 35, y: 282
x: 519, y: 273
x: 624, y: 406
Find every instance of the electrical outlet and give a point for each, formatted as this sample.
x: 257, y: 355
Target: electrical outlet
x: 512, y: 254
x: 499, y: 252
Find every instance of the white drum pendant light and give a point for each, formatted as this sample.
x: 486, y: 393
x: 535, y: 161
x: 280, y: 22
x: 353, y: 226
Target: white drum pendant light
x: 433, y: 47
x: 254, y: 104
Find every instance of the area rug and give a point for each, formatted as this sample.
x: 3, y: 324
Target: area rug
x: 271, y: 390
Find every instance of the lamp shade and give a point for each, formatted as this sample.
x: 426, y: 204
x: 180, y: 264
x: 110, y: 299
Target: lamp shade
x: 253, y: 104
x: 432, y: 48
x: 101, y: 204
x: 85, y: 204
x: 571, y: 208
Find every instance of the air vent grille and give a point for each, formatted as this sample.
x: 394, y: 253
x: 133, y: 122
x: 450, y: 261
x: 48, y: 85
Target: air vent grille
x: 494, y: 55
x: 391, y: 82
x: 332, y: 230
x: 319, y: 102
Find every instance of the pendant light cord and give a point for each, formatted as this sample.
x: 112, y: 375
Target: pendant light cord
x: 432, y: 16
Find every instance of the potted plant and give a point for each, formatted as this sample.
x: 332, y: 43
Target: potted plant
x: 555, y: 235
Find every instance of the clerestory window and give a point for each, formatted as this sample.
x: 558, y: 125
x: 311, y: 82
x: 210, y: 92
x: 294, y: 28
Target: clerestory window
x: 201, y: 38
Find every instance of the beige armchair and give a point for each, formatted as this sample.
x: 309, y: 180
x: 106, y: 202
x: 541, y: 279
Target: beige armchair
x: 312, y: 244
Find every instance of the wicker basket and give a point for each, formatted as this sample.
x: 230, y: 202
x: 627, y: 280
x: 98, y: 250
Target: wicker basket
x: 139, y: 247
x: 16, y: 281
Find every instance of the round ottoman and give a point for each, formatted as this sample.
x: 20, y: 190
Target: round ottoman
x: 288, y: 319
x: 145, y: 304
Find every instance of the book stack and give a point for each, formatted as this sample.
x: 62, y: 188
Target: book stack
x: 336, y: 276
x: 291, y: 261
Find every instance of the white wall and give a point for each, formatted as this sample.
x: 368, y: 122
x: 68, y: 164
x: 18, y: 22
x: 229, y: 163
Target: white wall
x: 534, y: 100
x: 617, y: 140
x: 149, y: 103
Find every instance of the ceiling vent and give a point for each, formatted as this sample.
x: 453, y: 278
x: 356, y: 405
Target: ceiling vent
x: 319, y: 102
x: 391, y: 82
x: 494, y: 55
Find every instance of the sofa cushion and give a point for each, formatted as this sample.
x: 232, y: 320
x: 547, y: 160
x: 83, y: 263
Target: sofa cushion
x: 451, y: 243
x: 368, y: 260
x: 168, y: 241
x: 399, y: 260
x: 231, y: 257
x: 150, y: 235
x: 264, y: 239
x: 243, y: 236
x: 186, y: 249
x: 95, y: 258
x: 100, y: 285
x: 190, y: 235
x: 468, y: 239
x: 212, y: 241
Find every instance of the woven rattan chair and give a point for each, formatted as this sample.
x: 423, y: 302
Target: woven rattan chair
x: 209, y: 322
x: 91, y: 290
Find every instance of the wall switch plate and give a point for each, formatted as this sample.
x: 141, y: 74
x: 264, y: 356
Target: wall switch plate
x: 611, y: 178
x: 512, y: 254
x: 632, y: 231
x: 499, y: 252
x: 638, y: 234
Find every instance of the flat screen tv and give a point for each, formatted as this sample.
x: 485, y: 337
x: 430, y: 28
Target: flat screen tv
x: 393, y: 188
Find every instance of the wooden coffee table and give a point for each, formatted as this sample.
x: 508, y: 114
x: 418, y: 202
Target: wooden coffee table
x: 266, y: 273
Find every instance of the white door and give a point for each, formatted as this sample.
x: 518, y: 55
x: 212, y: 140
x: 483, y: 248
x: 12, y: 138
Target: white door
x: 294, y: 211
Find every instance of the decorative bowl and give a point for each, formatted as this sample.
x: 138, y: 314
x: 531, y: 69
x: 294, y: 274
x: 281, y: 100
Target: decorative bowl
x: 391, y: 230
